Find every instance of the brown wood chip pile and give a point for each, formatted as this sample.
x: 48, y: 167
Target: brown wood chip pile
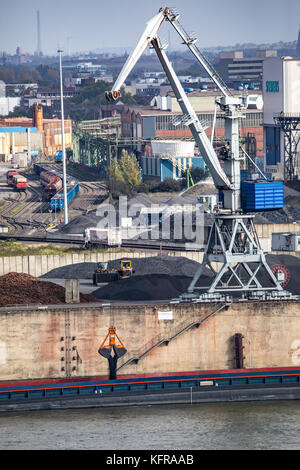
x: 19, y: 288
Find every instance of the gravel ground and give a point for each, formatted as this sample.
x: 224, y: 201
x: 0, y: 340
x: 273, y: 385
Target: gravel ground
x: 80, y: 223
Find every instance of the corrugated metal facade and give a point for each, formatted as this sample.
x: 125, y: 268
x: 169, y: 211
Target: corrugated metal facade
x: 272, y: 135
x: 262, y: 195
x: 165, y: 168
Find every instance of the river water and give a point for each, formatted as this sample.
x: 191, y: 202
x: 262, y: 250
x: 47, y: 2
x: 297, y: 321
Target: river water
x: 252, y: 425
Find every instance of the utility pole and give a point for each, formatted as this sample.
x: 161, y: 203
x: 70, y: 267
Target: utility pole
x: 63, y: 142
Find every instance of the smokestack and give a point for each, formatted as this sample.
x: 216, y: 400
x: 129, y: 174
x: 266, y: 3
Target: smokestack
x: 37, y: 116
x: 39, y: 52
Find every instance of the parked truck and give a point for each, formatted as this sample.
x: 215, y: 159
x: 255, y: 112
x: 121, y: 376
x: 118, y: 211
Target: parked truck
x: 108, y: 237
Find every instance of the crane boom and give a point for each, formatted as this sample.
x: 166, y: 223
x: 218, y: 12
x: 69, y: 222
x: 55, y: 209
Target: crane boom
x: 202, y: 141
x: 145, y: 40
x: 190, y: 42
x: 207, y: 151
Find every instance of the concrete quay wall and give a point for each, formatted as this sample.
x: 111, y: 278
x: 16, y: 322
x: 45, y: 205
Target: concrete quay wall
x: 39, y: 265
x: 63, y: 341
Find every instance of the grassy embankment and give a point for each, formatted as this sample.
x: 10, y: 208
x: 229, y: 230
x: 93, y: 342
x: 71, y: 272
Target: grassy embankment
x: 14, y: 248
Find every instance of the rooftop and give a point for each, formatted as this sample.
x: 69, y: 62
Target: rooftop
x: 151, y: 111
x: 204, y: 93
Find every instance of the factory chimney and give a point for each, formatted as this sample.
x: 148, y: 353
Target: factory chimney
x: 37, y: 116
x: 39, y: 51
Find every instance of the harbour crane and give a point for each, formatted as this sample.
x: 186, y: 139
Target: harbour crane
x: 233, y: 243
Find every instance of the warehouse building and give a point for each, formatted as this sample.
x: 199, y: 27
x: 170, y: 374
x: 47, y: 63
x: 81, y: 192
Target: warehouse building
x: 44, y: 134
x: 19, y: 144
x: 163, y: 119
x: 281, y: 96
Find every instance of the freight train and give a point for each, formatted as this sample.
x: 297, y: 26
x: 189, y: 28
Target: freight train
x: 51, y: 179
x: 52, y: 184
x: 59, y: 157
x: 16, y: 180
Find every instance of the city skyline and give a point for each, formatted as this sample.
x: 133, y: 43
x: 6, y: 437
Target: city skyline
x: 78, y: 27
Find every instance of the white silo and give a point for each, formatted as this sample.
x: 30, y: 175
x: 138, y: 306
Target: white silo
x: 173, y: 148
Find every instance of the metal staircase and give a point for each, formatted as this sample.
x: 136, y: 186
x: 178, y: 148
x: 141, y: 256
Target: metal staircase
x: 158, y: 340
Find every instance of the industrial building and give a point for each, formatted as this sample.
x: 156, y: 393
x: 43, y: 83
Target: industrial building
x: 170, y: 158
x: 46, y: 96
x: 234, y: 67
x: 41, y: 135
x: 281, y: 116
x: 164, y: 120
x: 7, y: 103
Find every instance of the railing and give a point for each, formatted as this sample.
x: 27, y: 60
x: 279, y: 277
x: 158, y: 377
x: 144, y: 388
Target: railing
x: 161, y: 339
x: 287, y: 115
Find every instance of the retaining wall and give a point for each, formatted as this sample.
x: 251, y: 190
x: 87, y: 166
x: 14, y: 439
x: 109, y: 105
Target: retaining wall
x: 39, y: 265
x: 63, y: 341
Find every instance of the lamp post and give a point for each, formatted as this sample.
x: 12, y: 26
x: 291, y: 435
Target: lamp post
x: 63, y: 142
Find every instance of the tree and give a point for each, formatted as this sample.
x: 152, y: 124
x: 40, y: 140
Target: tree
x: 7, y: 75
x: 114, y: 172
x: 168, y: 185
x: 130, y: 169
x: 36, y: 76
x: 116, y: 183
x: 25, y: 76
x: 20, y: 111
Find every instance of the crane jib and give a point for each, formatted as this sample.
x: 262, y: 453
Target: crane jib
x: 150, y: 36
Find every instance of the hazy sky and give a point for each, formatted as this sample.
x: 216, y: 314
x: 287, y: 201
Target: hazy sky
x: 91, y: 24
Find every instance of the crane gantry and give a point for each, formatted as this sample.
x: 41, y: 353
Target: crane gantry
x: 233, y: 242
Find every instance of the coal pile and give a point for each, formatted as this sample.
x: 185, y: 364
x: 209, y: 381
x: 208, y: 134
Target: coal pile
x: 292, y: 263
x: 80, y: 223
x: 72, y: 271
x: 165, y: 277
x: 22, y: 289
x: 155, y: 278
x: 177, y: 277
x: 172, y: 265
x: 150, y: 287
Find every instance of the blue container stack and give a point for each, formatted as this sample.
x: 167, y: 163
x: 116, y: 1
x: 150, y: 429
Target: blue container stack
x: 57, y: 201
x: 261, y: 195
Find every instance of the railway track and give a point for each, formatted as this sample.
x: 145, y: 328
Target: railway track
x: 68, y: 241
x: 29, y: 210
x: 27, y: 202
x: 21, y: 197
x: 91, y: 194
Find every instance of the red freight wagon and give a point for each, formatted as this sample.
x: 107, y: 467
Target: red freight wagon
x: 19, y: 182
x: 52, y: 183
x: 9, y: 176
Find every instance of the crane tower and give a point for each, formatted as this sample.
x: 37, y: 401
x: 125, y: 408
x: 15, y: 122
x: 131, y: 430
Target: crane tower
x: 233, y: 244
